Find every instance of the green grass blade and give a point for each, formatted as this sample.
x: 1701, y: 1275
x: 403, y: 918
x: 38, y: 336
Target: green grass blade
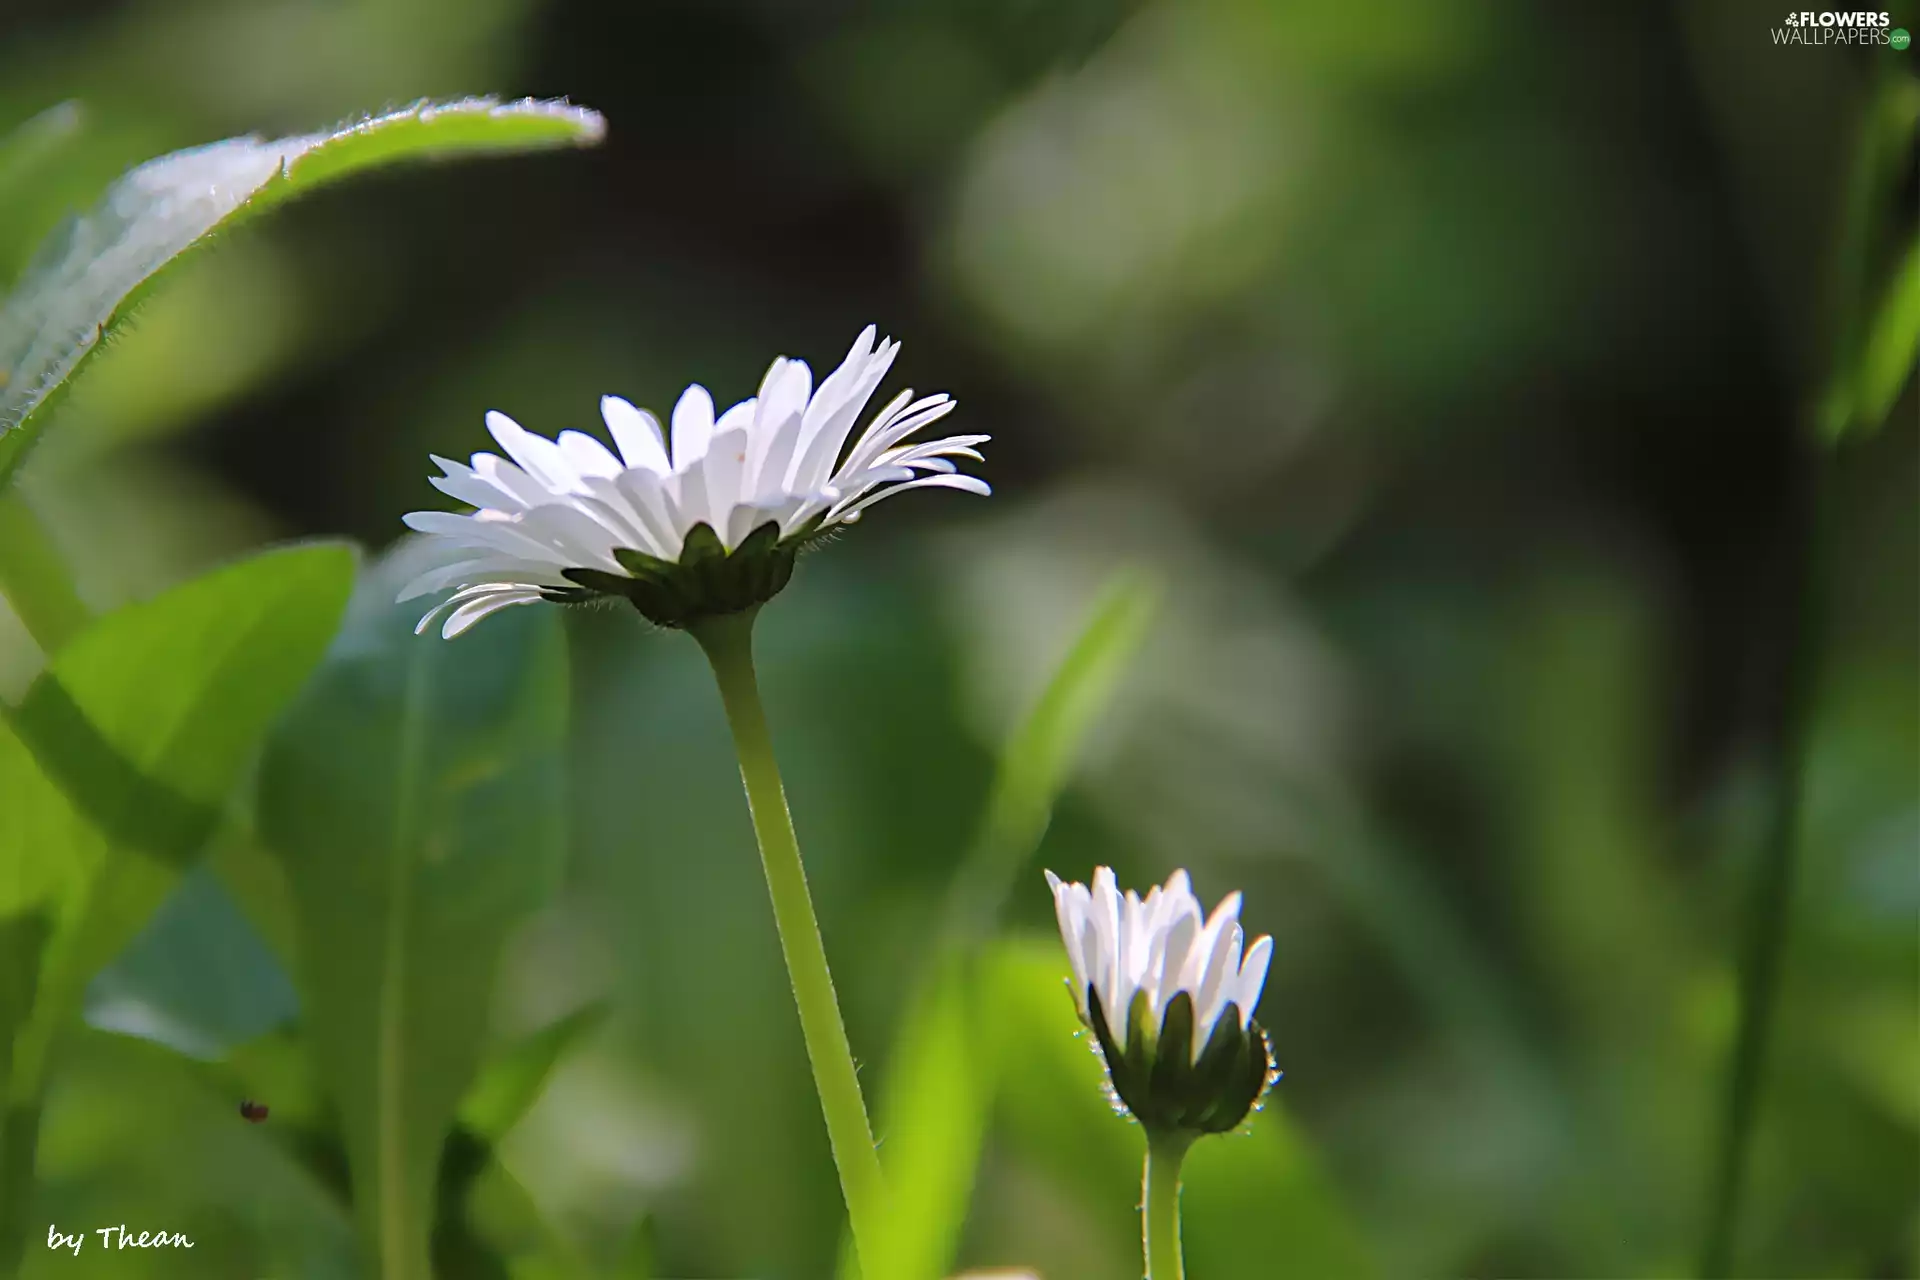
x: 939, y: 1089
x: 1892, y: 347
x: 938, y: 1096
x: 1040, y: 753
x: 91, y: 273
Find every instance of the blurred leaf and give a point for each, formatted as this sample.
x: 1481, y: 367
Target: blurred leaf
x: 512, y: 1081
x: 91, y: 274
x: 504, y: 1216
x: 415, y: 798
x: 1873, y: 1039
x: 23, y: 937
x: 1872, y: 350
x: 938, y: 1095
x: 258, y: 885
x: 1044, y: 746
x: 1893, y: 341
x: 28, y: 148
x: 939, y: 1087
x: 114, y: 766
x: 198, y: 979
x: 276, y: 1071
x: 133, y: 1131
x: 1255, y: 1202
x: 34, y: 577
x: 138, y: 731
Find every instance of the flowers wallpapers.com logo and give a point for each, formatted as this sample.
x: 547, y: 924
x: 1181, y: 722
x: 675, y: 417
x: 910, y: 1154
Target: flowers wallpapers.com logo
x: 1830, y: 27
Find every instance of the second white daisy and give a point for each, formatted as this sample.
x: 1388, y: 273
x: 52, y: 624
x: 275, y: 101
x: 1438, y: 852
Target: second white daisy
x: 1169, y: 994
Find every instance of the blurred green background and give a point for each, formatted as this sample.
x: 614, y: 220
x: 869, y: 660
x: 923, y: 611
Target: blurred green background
x: 1453, y: 365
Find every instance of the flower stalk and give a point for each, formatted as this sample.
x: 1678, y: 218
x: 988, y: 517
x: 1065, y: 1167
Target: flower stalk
x: 1160, y: 1206
x: 728, y: 643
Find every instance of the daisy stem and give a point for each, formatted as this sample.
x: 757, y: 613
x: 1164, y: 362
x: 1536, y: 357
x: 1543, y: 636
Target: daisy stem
x: 728, y: 642
x: 1160, y: 1206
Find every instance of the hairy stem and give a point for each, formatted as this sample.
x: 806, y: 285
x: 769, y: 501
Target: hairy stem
x: 728, y: 642
x: 1160, y: 1208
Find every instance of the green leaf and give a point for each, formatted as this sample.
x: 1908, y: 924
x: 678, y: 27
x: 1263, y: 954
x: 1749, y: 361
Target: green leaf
x: 119, y: 758
x: 512, y: 1081
x: 115, y: 767
x: 482, y: 1214
x: 415, y: 798
x: 34, y: 577
x: 939, y: 1087
x: 198, y: 979
x: 90, y: 274
x: 503, y: 1216
x: 276, y: 1071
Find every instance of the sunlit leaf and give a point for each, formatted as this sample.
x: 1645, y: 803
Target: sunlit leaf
x: 415, y: 798
x: 90, y: 274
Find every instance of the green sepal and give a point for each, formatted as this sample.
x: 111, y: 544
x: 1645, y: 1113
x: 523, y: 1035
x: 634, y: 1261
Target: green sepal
x: 642, y: 565
x: 1171, y: 1067
x: 760, y: 541
x: 1157, y: 1079
x: 701, y: 543
x: 1234, y: 1065
x: 598, y: 580
x: 707, y: 581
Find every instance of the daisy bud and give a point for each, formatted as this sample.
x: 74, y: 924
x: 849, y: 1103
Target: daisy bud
x: 696, y: 521
x: 1170, y: 999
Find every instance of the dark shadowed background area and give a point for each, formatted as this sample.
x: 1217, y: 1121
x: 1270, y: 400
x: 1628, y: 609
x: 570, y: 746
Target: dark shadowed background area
x: 1458, y: 366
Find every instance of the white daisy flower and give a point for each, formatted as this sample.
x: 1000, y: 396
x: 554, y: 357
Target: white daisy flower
x: 699, y: 520
x: 1170, y: 993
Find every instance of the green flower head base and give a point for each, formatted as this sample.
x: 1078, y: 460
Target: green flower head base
x: 694, y: 523
x: 1170, y: 1000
